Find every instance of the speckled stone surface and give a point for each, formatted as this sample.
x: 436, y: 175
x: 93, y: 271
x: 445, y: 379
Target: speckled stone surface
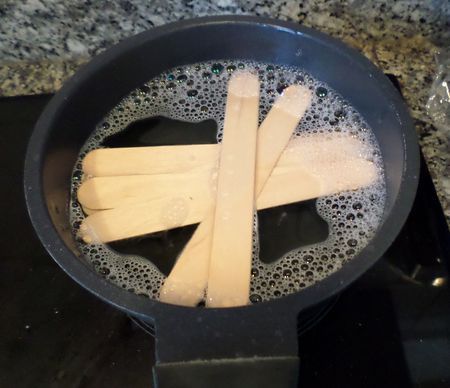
x: 43, y: 42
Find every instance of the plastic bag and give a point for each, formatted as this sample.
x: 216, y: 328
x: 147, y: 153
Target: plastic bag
x: 438, y: 105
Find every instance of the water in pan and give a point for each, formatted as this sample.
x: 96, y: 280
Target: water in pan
x: 196, y: 93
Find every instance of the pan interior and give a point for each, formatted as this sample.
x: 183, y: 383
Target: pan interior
x: 294, y: 245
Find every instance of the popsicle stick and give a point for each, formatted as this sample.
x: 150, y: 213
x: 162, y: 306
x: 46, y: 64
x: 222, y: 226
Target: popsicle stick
x: 285, y: 185
x: 142, y: 218
x: 231, y: 244
x: 186, y: 158
x: 148, y: 160
x: 272, y: 139
x: 276, y: 130
x: 107, y: 192
x: 186, y: 283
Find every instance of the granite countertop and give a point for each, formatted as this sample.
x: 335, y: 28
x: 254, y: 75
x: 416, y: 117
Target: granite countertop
x: 43, y: 42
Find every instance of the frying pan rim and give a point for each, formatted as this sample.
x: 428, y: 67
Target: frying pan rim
x: 148, y: 309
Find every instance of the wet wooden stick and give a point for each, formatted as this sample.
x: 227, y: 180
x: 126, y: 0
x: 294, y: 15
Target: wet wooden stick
x: 107, y: 192
x: 184, y: 159
x: 148, y: 160
x: 231, y: 246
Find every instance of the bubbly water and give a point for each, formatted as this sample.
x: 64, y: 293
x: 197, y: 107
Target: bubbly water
x: 198, y: 92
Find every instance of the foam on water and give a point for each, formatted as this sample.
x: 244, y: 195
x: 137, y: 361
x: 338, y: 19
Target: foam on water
x: 198, y: 92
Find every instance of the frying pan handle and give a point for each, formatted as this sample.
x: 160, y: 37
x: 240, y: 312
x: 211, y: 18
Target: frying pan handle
x: 253, y: 347
x: 256, y: 372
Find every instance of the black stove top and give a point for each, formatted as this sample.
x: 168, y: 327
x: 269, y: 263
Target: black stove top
x: 391, y: 328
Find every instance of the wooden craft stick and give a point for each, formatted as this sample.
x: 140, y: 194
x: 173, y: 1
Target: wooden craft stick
x: 148, y: 160
x: 276, y: 130
x: 231, y: 246
x: 241, y: 115
x: 107, y: 192
x: 142, y: 218
x: 180, y: 159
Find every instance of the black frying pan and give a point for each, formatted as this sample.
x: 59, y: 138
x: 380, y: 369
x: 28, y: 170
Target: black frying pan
x: 253, y: 346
